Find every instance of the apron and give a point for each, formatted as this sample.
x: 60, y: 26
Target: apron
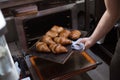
x: 115, y: 63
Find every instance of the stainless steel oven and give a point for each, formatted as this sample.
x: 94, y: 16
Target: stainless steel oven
x: 30, y: 28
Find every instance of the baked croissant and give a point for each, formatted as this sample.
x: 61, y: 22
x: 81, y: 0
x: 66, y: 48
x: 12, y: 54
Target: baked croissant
x: 42, y: 47
x: 65, y: 33
x: 62, y: 40
x: 47, y: 39
x: 52, y: 34
x: 75, y: 34
x: 57, y: 28
x: 58, y: 48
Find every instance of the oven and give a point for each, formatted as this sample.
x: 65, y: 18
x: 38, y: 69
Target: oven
x: 31, y: 28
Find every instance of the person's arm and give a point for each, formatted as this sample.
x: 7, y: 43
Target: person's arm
x: 108, y: 20
x: 106, y: 23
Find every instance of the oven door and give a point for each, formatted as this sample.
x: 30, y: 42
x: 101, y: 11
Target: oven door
x: 77, y: 64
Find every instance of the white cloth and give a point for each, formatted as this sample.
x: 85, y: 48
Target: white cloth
x: 77, y: 46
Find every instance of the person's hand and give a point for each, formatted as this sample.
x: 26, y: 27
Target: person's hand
x: 87, y: 42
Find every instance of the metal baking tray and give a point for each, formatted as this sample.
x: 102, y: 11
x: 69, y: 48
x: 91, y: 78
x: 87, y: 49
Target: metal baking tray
x: 57, y: 58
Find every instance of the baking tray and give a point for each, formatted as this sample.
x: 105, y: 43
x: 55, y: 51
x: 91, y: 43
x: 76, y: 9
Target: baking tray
x: 76, y: 64
x: 57, y: 58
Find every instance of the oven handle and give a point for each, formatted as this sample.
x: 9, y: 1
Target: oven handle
x: 80, y: 71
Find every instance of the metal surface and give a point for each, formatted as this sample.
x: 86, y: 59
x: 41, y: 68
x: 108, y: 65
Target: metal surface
x: 57, y: 58
x: 77, y: 64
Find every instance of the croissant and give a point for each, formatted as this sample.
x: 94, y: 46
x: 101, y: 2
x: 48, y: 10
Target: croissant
x: 47, y: 39
x: 58, y: 48
x: 62, y: 40
x: 42, y: 47
x: 65, y: 33
x: 52, y: 34
x: 52, y: 47
x: 57, y: 28
x: 75, y: 34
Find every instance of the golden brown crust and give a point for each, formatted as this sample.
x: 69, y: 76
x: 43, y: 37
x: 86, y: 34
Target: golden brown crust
x: 52, y: 34
x: 47, y: 39
x: 42, y: 47
x: 52, y: 47
x: 75, y: 34
x: 65, y: 33
x: 58, y: 48
x: 56, y: 28
x: 62, y: 40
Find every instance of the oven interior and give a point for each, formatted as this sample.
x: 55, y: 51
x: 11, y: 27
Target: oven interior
x: 35, y: 27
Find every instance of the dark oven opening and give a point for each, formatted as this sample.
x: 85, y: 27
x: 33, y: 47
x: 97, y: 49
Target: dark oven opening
x: 33, y: 28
